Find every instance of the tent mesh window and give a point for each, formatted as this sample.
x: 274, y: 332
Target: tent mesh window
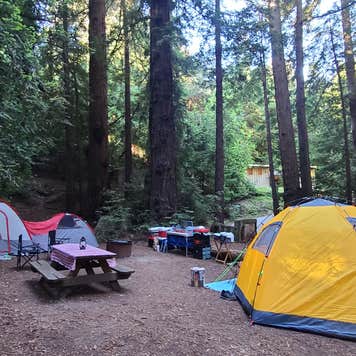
x: 265, y: 241
x: 352, y: 221
x: 67, y: 221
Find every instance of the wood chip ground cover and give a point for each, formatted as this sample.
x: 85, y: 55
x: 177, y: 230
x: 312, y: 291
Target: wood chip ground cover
x: 157, y: 312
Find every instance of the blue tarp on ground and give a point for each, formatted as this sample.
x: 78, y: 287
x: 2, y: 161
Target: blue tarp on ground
x: 227, y: 285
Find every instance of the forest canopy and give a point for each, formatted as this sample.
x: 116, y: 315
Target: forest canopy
x: 150, y: 109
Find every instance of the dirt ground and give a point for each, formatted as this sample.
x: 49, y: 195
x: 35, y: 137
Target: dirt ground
x: 157, y: 312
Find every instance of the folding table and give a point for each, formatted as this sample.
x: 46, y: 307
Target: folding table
x: 180, y: 239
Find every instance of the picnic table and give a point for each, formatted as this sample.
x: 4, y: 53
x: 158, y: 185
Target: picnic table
x: 98, y: 264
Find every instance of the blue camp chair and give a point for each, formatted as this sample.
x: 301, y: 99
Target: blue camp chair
x: 26, y: 253
x: 53, y: 239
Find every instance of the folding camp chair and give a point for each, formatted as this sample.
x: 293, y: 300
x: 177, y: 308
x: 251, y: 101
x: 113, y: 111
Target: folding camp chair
x: 54, y: 240
x: 222, y: 244
x: 51, y: 239
x: 26, y: 253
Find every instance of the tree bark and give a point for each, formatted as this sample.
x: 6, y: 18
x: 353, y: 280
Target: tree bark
x: 128, y: 123
x: 219, y: 147
x: 98, y: 112
x: 70, y: 191
x: 269, y: 135
x: 350, y: 65
x: 304, y: 161
x: 162, y: 127
x: 286, y: 132
x: 348, y: 189
x: 78, y: 147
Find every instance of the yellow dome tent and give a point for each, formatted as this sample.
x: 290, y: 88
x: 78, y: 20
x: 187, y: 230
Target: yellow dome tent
x: 299, y: 271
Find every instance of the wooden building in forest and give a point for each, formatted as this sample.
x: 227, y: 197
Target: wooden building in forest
x: 258, y: 175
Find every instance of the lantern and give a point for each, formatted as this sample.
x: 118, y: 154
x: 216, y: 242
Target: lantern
x: 82, y: 243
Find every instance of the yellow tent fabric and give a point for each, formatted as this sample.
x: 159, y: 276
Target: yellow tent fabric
x: 300, y: 270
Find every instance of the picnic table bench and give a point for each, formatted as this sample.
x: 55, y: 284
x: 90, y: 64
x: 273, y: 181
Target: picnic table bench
x: 94, y: 262
x: 50, y: 274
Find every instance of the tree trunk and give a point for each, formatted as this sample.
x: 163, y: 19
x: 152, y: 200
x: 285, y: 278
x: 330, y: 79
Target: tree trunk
x: 350, y: 65
x: 98, y: 112
x: 348, y: 191
x: 162, y: 128
x: 70, y: 194
x: 78, y: 147
x: 128, y: 124
x: 269, y: 135
x: 219, y: 148
x: 304, y: 162
x: 286, y: 132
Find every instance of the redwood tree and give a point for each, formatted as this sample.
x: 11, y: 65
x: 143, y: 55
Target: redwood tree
x: 286, y: 132
x: 98, y: 112
x: 272, y: 181
x: 162, y: 127
x: 348, y: 188
x: 304, y: 161
x: 128, y: 123
x: 349, y: 64
x: 219, y: 148
x: 69, y: 125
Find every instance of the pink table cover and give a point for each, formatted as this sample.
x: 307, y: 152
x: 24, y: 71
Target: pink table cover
x: 68, y: 254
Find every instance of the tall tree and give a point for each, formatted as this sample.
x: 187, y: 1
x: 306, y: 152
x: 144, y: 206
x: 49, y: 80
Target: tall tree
x: 69, y: 127
x: 98, y: 112
x: 349, y: 64
x: 348, y: 188
x: 304, y: 161
x: 272, y: 181
x: 162, y: 127
x: 127, y: 75
x: 285, y: 126
x: 219, y: 148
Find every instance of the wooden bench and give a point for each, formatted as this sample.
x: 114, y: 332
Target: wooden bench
x: 123, y: 271
x: 50, y: 274
x: 51, y: 279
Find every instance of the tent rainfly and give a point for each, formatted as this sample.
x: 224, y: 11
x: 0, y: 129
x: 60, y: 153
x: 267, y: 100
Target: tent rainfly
x: 299, y: 271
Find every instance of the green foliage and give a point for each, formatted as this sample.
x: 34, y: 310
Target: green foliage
x: 22, y: 104
x: 193, y: 204
x: 32, y: 104
x: 198, y: 144
x: 115, y: 218
x: 257, y: 204
x: 31, y: 92
x: 328, y: 145
x: 325, y: 114
x: 139, y: 68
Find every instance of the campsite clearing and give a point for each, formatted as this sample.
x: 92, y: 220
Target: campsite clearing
x: 157, y: 312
